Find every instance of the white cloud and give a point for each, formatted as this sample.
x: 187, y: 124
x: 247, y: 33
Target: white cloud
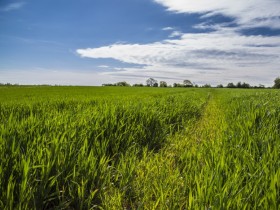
x: 175, y: 34
x: 249, y: 13
x: 103, y: 66
x: 223, y: 55
x: 168, y: 29
x: 12, y: 6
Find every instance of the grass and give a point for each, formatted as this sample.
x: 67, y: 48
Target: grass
x: 139, y: 148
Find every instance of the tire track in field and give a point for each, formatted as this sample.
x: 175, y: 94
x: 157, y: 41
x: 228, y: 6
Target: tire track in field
x: 212, y: 123
x: 209, y: 127
x: 158, y: 176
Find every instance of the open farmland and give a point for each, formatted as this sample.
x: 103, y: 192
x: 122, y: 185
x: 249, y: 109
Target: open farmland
x: 139, y: 148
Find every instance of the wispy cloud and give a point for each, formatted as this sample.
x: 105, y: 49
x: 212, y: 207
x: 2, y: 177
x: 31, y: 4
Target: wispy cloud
x: 250, y: 13
x: 221, y: 55
x: 103, y: 66
x: 12, y: 6
x: 217, y: 56
x: 167, y: 28
x: 175, y: 34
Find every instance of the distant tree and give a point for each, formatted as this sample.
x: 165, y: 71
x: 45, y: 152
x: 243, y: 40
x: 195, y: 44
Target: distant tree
x: 124, y: 83
x: 242, y: 85
x: 231, y: 85
x: 162, y: 84
x: 109, y: 84
x: 206, y: 86
x: 155, y: 84
x: 277, y: 83
x: 261, y: 86
x: 178, y: 85
x: 220, y: 86
x: 187, y: 83
x: 151, y: 82
x: 245, y: 85
x: 117, y: 84
x: 138, y: 85
x: 239, y: 85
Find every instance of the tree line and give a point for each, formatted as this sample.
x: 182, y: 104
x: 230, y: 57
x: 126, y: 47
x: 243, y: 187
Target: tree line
x: 151, y: 82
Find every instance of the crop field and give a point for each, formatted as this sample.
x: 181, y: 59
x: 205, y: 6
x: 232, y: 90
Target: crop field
x: 139, y: 148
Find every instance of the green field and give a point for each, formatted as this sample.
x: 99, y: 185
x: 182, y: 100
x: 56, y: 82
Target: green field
x: 139, y: 148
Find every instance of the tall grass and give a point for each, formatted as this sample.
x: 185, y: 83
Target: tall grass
x: 70, y: 153
x: 236, y: 167
x: 146, y: 148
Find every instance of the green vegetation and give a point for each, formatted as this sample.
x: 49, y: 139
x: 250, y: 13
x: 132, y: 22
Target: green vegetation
x: 277, y: 83
x: 139, y: 148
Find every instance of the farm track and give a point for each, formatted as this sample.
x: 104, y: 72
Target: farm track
x: 162, y: 171
x: 212, y: 123
x: 194, y: 169
x: 164, y: 167
x: 209, y: 127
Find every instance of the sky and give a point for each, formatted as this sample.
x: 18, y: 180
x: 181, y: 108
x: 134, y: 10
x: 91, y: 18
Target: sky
x: 91, y: 42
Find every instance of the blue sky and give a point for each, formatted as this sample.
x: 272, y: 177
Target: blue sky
x: 90, y: 42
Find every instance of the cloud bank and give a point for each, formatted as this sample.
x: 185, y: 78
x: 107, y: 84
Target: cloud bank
x: 220, y: 56
x: 249, y: 13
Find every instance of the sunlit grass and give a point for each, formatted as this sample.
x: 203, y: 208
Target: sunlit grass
x: 139, y: 148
